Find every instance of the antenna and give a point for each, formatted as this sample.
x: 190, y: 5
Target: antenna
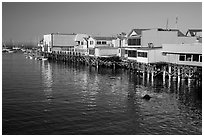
x: 167, y: 24
x: 176, y: 22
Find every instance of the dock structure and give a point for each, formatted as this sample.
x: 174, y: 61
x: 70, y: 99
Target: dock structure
x: 149, y: 70
x: 111, y: 62
x: 142, y: 51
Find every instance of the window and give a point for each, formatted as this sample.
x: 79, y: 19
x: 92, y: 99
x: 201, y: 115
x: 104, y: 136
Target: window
x: 136, y: 41
x: 120, y: 43
x: 142, y: 54
x: 196, y: 57
x: 164, y: 53
x: 91, y: 51
x: 188, y: 57
x: 182, y: 57
x: 98, y: 42
x: 91, y: 42
x: 103, y: 42
x: 126, y: 51
x: 200, y: 58
x: 132, y: 53
x: 82, y: 43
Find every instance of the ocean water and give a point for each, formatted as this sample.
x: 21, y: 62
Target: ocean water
x: 56, y: 98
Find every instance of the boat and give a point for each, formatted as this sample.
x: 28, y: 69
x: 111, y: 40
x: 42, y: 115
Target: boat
x: 30, y: 57
x: 44, y: 58
x: 4, y: 50
x: 23, y: 50
x: 10, y: 51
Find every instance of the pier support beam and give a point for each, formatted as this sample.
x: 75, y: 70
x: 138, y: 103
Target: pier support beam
x: 113, y: 65
x: 148, y: 77
x: 164, y: 75
x: 152, y: 75
x: 170, y: 72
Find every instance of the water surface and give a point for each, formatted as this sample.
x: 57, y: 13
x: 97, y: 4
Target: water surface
x: 45, y: 97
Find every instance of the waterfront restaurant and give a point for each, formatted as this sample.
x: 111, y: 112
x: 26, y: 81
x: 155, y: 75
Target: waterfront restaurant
x: 183, y: 54
x: 148, y: 42
x: 102, y: 46
x: 133, y: 42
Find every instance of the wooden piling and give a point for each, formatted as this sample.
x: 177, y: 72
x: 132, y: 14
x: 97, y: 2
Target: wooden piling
x: 175, y: 71
x: 164, y: 74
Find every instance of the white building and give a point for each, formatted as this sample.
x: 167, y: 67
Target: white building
x: 58, y: 42
x: 82, y: 44
x: 183, y: 54
x: 102, y: 46
x: 148, y: 42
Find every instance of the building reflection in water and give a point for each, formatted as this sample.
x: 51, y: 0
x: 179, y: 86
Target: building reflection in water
x: 47, y: 80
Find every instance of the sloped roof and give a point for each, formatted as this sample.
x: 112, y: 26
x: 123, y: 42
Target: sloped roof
x: 138, y: 31
x: 103, y: 38
x: 80, y: 37
x: 180, y: 34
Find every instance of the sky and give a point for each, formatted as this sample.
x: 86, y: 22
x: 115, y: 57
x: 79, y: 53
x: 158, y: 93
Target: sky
x: 30, y: 21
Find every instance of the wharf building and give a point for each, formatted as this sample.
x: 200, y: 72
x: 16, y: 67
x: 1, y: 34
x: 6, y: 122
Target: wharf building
x: 147, y: 50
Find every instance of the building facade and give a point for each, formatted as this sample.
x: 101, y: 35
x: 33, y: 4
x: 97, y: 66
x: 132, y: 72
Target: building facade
x: 148, y: 42
x: 55, y: 42
x: 183, y: 54
x: 102, y: 46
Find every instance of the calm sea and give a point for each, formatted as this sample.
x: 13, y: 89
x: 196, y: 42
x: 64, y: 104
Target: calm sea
x: 44, y: 97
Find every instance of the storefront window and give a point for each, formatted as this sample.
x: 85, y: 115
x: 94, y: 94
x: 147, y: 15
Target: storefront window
x: 142, y: 54
x: 132, y: 53
x: 196, y: 57
x: 182, y: 57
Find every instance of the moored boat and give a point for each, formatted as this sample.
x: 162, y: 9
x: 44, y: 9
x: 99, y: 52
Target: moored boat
x: 10, y: 51
x: 30, y: 57
x: 44, y: 58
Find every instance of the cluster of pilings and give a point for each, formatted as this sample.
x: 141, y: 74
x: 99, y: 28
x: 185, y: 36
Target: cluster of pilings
x: 182, y: 72
x: 111, y: 62
x: 151, y: 70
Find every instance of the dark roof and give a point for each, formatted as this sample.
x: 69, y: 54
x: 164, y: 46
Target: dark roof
x: 63, y: 33
x: 121, y: 37
x: 193, y: 31
x: 180, y: 34
x: 138, y: 31
x: 103, y: 38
